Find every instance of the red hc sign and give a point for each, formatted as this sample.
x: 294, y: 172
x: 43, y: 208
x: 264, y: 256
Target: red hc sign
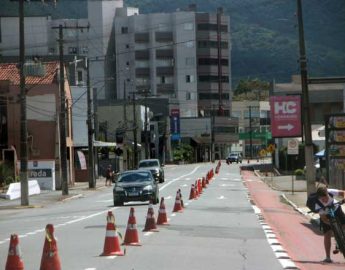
x: 286, y: 116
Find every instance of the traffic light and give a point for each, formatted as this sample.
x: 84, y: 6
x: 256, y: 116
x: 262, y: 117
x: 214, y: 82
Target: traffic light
x: 118, y: 151
x: 119, y: 135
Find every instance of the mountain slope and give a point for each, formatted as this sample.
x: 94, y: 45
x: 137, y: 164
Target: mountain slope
x: 263, y: 32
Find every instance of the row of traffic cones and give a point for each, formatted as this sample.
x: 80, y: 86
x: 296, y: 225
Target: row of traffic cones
x: 50, y: 258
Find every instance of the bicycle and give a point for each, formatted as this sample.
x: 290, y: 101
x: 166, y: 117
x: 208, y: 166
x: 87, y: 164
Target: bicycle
x: 336, y: 227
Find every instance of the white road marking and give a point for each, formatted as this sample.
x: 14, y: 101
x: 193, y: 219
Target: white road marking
x: 173, y: 215
x: 148, y: 233
x: 187, y: 179
x: 221, y: 197
x: 110, y: 257
x: 179, y: 178
x: 63, y: 224
x: 168, y: 197
x: 90, y: 269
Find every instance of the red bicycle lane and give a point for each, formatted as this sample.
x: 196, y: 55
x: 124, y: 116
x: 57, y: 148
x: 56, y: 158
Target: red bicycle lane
x: 302, y: 242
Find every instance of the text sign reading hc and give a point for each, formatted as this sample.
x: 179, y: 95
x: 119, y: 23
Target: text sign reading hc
x: 286, y: 116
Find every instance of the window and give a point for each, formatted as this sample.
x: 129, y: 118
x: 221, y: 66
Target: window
x: 72, y: 50
x: 189, y: 44
x: 190, y: 61
x: 190, y: 96
x: 80, y: 76
x: 84, y: 50
x: 163, y: 80
x: 127, y: 46
x: 189, y: 78
x: 124, y: 30
x: 188, y: 26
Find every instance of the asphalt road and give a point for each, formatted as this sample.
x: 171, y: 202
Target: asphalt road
x: 218, y: 231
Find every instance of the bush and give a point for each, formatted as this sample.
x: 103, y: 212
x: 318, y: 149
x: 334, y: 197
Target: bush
x: 299, y: 172
x: 183, y: 152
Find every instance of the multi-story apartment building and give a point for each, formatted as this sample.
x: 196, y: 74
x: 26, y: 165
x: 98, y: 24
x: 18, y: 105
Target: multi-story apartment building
x: 184, y: 55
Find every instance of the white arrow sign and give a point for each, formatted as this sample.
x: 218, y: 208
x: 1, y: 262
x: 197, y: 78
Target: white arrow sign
x: 287, y: 127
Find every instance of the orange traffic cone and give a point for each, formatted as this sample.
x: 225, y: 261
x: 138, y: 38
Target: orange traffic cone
x: 196, y: 189
x: 178, y: 206
x: 203, y: 182
x: 111, y: 243
x: 192, y: 194
x: 207, y: 181
x: 162, y: 214
x: 181, y: 199
x: 131, y: 236
x: 199, y: 187
x: 150, y: 225
x: 14, y: 260
x: 50, y: 257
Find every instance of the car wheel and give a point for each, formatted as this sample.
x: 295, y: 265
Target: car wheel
x: 161, y: 180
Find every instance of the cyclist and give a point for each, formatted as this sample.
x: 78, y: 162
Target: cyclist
x: 325, y: 196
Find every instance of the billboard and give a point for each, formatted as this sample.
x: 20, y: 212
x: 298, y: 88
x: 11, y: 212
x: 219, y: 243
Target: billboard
x: 175, y: 124
x: 286, y: 116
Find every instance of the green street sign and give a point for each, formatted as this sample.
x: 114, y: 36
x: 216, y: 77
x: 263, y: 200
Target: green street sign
x: 255, y: 135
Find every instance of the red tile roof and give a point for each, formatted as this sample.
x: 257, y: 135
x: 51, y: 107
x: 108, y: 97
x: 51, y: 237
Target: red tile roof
x: 11, y: 72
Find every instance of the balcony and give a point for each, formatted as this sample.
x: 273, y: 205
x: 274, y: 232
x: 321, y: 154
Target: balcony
x: 164, y: 53
x: 164, y: 36
x: 140, y: 72
x: 164, y: 71
x: 209, y: 35
x: 142, y: 55
x: 212, y: 52
x: 165, y: 88
x: 142, y: 38
x: 209, y: 86
x: 211, y: 69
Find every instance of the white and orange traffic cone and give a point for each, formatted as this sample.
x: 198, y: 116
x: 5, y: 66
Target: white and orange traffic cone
x: 162, y: 214
x: 112, y: 242
x: 196, y: 189
x: 14, y: 260
x: 178, y: 206
x: 131, y: 236
x: 199, y: 186
x: 50, y: 257
x: 150, y: 224
x: 181, y: 199
x: 192, y: 194
x: 203, y: 183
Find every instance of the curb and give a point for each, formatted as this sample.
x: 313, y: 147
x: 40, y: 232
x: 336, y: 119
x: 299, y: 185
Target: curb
x: 77, y: 196
x: 314, y: 221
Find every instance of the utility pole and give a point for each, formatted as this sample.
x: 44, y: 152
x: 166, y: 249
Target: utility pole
x: 62, y: 122
x: 310, y: 172
x: 135, y: 147
x: 63, y: 146
x: 212, y: 134
x: 24, y: 188
x: 90, y: 129
x: 250, y: 134
x: 96, y: 126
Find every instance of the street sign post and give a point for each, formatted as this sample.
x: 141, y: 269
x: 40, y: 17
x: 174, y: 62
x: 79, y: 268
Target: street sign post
x: 292, y: 147
x: 175, y: 124
x: 286, y: 116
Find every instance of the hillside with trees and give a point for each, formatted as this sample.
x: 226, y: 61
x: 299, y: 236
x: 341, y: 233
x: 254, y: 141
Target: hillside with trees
x: 264, y: 33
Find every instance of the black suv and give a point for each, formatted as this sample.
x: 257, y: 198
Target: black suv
x: 234, y: 157
x: 154, y: 166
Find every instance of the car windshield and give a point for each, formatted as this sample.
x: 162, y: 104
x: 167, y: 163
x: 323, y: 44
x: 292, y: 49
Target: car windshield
x: 151, y: 163
x: 135, y: 177
x: 233, y: 155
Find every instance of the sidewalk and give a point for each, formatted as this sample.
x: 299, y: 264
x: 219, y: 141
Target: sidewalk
x: 47, y: 197
x: 294, y: 192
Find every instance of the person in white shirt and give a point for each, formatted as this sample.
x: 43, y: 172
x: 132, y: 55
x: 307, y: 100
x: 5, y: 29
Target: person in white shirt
x: 325, y: 196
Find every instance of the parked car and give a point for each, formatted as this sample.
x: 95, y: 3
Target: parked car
x: 135, y: 185
x: 234, y: 157
x: 154, y: 166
